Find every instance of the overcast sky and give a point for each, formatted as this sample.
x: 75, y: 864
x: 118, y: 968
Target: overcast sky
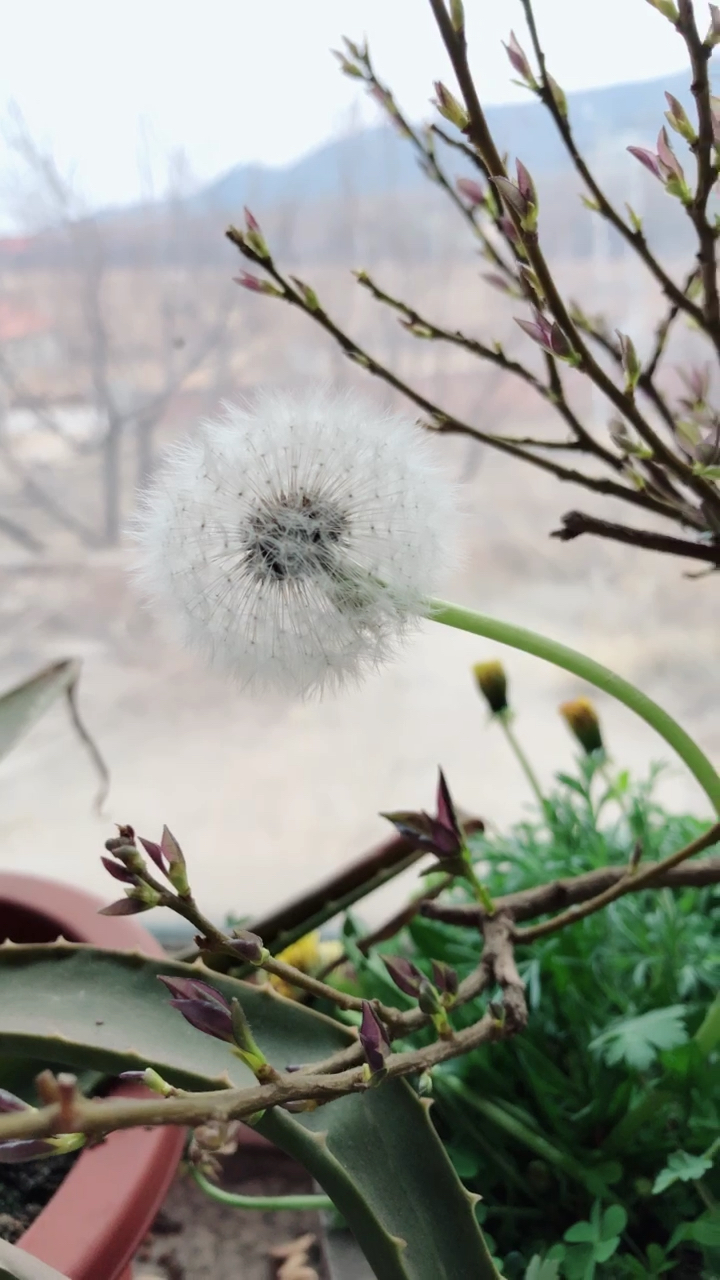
x: 107, y: 85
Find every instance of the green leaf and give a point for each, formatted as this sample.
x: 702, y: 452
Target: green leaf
x: 637, y: 1041
x: 16, y: 1264
x: 681, y: 1167
x: 581, y: 1233
x: 542, y: 1269
x: 22, y: 706
x: 614, y: 1221
x: 606, y: 1248
x: 705, y: 1231
x: 374, y: 1153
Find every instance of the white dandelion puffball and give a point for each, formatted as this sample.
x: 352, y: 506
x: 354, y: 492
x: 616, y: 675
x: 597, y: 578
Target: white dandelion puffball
x: 294, y: 541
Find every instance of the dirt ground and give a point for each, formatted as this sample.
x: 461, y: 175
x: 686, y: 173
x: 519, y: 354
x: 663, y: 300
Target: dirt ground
x: 265, y: 796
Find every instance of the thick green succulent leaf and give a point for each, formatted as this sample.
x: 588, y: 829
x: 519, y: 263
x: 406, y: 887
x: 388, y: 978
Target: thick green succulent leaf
x: 15, y: 1264
x: 376, y: 1153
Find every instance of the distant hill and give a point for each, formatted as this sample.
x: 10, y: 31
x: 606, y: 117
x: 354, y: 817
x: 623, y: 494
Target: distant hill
x: 377, y: 161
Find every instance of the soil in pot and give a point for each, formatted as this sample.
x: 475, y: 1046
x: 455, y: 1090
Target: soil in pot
x: 25, y: 1189
x: 195, y: 1237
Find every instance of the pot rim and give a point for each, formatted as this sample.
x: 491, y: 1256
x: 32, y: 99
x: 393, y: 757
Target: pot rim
x: 100, y: 1213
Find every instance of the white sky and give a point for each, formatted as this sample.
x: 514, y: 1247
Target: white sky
x: 233, y: 81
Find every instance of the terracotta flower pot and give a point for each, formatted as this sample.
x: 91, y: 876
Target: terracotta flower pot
x: 98, y: 1217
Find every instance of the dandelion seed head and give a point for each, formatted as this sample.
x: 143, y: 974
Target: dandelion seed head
x: 293, y: 542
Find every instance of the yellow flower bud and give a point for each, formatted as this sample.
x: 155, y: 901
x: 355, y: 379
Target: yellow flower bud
x: 582, y: 720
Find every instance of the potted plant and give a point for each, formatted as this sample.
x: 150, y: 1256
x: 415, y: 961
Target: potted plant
x: 95, y: 1221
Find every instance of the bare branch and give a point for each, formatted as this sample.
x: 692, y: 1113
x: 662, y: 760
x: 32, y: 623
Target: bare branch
x: 575, y: 523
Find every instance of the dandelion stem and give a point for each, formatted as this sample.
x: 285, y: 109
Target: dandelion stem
x: 521, y: 758
x: 298, y: 1202
x: 560, y: 655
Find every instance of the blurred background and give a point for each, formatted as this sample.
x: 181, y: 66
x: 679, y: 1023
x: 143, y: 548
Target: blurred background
x: 131, y: 136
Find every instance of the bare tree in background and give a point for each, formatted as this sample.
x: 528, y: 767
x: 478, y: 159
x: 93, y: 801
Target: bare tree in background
x: 127, y: 357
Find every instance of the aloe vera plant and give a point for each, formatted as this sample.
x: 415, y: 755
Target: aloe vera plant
x: 375, y: 1153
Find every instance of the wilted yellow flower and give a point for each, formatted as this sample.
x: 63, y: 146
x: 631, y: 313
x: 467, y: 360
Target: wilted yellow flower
x: 582, y: 720
x: 492, y: 683
x: 309, y: 955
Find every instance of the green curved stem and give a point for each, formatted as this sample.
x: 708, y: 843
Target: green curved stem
x: 560, y: 655
x: 259, y: 1202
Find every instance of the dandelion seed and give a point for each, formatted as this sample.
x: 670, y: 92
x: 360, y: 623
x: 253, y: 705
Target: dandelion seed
x: 294, y: 542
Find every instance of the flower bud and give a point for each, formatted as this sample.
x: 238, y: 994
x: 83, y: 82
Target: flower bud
x: 200, y: 1005
x: 678, y: 120
x: 630, y: 363
x: 472, y: 191
x: 429, y: 999
x: 582, y: 720
x: 255, y: 285
x: 152, y: 1080
x: 492, y: 682
x: 374, y: 1040
x: 254, y: 237
x: 246, y: 1048
x: 307, y: 294
x: 446, y: 981
x: 404, y: 974
x: 449, y: 107
x: 518, y: 61
x: 248, y: 946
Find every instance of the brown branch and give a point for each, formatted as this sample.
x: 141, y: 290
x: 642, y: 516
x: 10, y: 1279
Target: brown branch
x: 576, y: 523
x: 526, y: 904
x: 663, y: 331
x: 553, y: 393
x: 634, y: 879
x: 479, y: 134
x: 447, y: 424
x: 635, y: 238
x: 98, y: 1116
x: 707, y: 170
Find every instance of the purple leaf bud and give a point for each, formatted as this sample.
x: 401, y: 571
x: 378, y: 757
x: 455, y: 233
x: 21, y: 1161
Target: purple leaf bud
x: 648, y: 158
x: 404, y: 974
x: 630, y: 363
x: 446, y: 814
x: 471, y: 190
x: 449, y: 107
x: 248, y: 946
x: 669, y: 162
x: 207, y: 1018
x: 256, y: 285
x: 373, y: 1038
x: 509, y: 230
x: 126, y: 907
x: 117, y: 870
x: 558, y: 96
x: 445, y: 978
x: 428, y: 999
x: 154, y: 851
x: 177, y: 868
x: 511, y: 196
x: 518, y: 60
x: 678, y: 120
x: 526, y: 186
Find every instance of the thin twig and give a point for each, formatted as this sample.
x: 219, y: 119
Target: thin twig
x: 632, y: 881
x: 576, y: 523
